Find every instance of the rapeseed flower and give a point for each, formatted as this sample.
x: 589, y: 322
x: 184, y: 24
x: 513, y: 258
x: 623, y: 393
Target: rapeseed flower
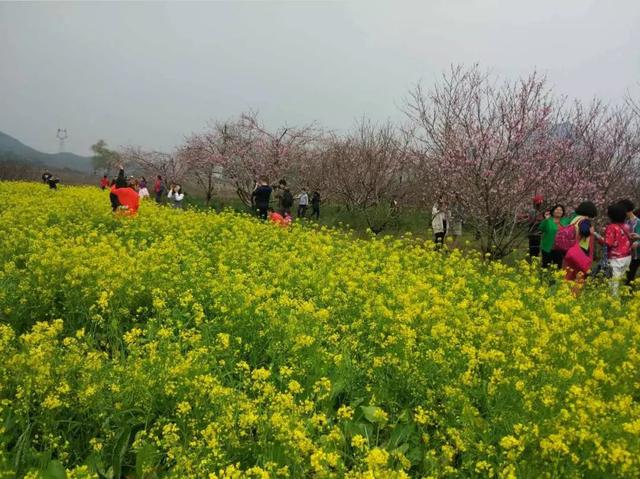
x: 206, y: 344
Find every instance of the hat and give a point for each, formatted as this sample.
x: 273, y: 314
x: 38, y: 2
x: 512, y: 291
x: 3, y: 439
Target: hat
x: 538, y: 199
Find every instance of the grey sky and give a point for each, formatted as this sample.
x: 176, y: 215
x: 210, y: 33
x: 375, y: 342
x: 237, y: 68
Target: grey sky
x: 150, y: 73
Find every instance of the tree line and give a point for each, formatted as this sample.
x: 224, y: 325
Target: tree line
x: 472, y: 138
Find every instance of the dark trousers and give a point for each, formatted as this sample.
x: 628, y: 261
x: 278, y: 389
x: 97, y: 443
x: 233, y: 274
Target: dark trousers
x: 159, y: 196
x: 315, y: 211
x: 302, y: 210
x: 114, y: 201
x: 633, y: 269
x: 439, y: 237
x: 534, y: 246
x: 553, y: 257
x: 262, y: 211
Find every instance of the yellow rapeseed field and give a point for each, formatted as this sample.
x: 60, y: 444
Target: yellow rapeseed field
x: 186, y: 344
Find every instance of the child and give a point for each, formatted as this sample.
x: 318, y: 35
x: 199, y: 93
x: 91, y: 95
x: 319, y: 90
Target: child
x: 104, y: 182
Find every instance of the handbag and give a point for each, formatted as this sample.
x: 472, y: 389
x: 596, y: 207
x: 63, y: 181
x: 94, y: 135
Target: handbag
x: 577, y: 259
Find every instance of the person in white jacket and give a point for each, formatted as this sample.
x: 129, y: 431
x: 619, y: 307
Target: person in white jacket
x: 303, y: 203
x: 439, y: 222
x: 176, y: 195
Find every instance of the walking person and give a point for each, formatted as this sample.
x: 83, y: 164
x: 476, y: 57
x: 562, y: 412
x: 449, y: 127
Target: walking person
x: 158, y: 189
x: 104, y: 182
x: 261, y: 196
x: 549, y: 228
x: 315, y: 205
x: 176, y: 196
x: 439, y: 225
x: 303, y: 203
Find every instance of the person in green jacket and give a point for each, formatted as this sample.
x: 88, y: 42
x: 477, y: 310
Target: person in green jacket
x: 549, y: 228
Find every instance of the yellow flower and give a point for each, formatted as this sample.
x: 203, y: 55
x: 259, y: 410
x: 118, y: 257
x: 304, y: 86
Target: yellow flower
x: 52, y: 402
x: 358, y: 441
x: 345, y: 413
x: 183, y: 408
x: 294, y: 387
x: 377, y: 458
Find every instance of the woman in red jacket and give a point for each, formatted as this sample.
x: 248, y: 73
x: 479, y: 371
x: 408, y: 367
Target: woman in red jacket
x: 127, y: 194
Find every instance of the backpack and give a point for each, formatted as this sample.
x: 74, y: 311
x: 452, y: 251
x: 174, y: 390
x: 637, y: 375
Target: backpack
x: 287, y: 199
x: 566, y: 237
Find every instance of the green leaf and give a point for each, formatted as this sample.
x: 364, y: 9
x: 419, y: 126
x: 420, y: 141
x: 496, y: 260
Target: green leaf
x: 401, y: 433
x: 22, y: 445
x: 146, y: 456
x: 363, y: 428
x: 373, y: 414
x: 119, y: 451
x: 54, y: 470
x: 415, y: 455
x: 95, y: 465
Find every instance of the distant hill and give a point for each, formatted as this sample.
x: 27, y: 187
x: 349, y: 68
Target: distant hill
x: 15, y: 151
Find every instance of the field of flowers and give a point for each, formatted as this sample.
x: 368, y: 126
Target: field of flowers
x: 186, y: 344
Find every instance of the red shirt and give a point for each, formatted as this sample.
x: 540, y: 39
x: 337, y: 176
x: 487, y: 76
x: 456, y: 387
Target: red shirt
x: 127, y: 197
x: 616, y: 237
x: 278, y: 219
x: 104, y: 182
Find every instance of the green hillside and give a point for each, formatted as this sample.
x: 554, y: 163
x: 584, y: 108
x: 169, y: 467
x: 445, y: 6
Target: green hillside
x: 14, y: 150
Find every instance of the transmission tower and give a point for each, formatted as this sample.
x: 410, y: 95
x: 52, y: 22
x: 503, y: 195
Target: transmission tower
x: 61, y: 136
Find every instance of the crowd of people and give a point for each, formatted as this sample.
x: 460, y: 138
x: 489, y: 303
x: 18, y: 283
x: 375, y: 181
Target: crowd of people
x: 569, y: 242
x: 562, y: 241
x: 125, y: 193
x: 261, y: 202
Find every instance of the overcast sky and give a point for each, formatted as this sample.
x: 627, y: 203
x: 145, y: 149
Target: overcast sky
x: 148, y: 74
